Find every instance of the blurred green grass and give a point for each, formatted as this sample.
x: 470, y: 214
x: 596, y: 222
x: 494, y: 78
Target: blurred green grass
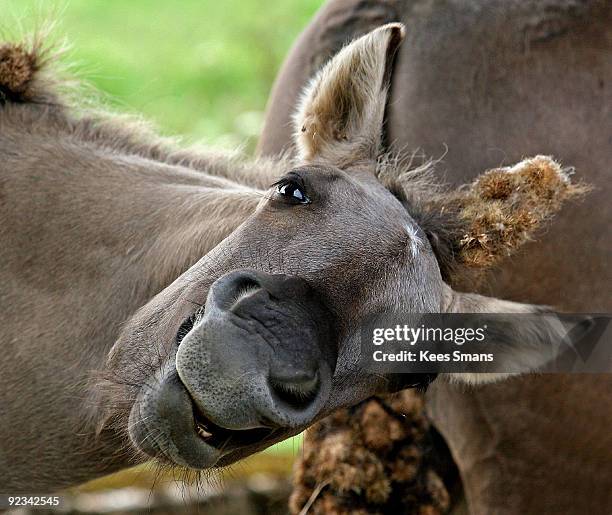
x: 202, y: 69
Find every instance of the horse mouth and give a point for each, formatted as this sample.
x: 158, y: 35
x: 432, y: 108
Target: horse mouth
x: 223, y: 439
x: 226, y: 440
x: 166, y: 424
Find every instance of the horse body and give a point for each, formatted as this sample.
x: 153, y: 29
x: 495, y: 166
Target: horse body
x: 174, y: 305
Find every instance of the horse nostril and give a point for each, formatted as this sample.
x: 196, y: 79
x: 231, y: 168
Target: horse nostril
x: 186, y: 326
x: 246, y: 282
x: 242, y: 287
x: 296, y: 388
x: 231, y: 287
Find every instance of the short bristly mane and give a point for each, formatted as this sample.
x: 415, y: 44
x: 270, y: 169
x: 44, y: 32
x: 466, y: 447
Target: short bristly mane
x: 34, y: 92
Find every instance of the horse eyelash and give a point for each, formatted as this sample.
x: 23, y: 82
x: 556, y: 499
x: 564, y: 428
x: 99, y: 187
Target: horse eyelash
x: 288, y: 179
x: 281, y: 182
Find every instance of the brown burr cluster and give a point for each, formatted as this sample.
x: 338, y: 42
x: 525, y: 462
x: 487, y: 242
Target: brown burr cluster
x: 504, y: 207
x: 370, y: 458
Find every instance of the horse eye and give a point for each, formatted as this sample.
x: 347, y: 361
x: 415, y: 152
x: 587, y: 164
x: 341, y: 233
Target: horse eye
x: 293, y: 192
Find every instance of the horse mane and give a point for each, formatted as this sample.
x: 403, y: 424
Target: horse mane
x: 35, y: 91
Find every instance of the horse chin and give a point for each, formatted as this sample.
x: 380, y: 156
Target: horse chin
x: 165, y: 424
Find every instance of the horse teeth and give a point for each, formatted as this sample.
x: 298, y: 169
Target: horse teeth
x: 203, y: 433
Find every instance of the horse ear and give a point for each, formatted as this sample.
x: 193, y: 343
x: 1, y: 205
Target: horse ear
x: 340, y: 117
x: 479, y: 224
x: 523, y: 337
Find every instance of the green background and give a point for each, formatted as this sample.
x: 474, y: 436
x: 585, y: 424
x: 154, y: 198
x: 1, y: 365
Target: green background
x: 198, y: 69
